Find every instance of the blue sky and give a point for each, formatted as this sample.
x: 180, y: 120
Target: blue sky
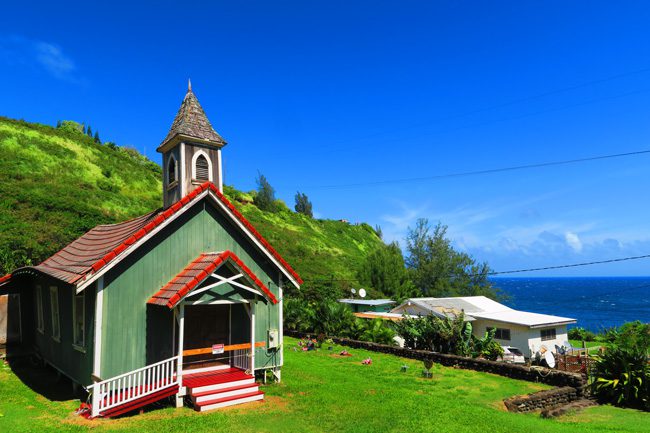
x: 321, y: 94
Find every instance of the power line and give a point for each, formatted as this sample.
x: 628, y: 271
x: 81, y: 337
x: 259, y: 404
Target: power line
x: 480, y: 172
x: 545, y: 268
x: 573, y: 265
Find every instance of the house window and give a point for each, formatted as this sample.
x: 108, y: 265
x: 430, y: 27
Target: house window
x: 78, y: 320
x: 171, y: 170
x: 201, y: 168
x: 54, y: 310
x: 40, y: 325
x: 501, y: 333
x: 548, y: 334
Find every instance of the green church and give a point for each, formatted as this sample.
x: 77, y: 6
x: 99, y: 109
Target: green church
x: 183, y: 302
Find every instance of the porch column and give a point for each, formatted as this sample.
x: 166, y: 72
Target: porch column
x: 180, y: 318
x: 97, y: 346
x: 252, y: 367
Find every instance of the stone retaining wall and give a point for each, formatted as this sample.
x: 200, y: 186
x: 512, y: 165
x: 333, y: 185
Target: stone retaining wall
x: 541, y: 400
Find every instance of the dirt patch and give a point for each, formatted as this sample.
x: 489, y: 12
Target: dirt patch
x: 499, y: 405
x: 270, y: 403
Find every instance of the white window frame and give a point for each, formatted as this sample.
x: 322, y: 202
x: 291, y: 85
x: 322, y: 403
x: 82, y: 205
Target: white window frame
x: 40, y: 322
x: 55, y: 314
x: 550, y: 331
x: 169, y: 161
x: 207, y: 158
x: 80, y: 347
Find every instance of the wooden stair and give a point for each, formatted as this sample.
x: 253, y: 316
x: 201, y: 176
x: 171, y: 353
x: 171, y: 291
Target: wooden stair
x: 141, y: 402
x: 220, y: 388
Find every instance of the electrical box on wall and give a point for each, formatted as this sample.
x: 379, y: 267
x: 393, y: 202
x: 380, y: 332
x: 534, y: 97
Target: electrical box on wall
x: 274, y: 339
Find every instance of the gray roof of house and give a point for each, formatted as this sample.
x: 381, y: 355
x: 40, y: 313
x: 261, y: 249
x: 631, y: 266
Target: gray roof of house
x: 367, y: 301
x: 192, y: 122
x: 485, y: 308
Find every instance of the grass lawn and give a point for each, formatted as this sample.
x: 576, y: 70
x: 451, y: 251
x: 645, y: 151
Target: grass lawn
x: 592, y: 346
x: 322, y: 392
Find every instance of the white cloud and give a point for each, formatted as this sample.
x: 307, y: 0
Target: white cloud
x: 395, y: 226
x: 21, y: 52
x: 573, y: 241
x: 51, y: 57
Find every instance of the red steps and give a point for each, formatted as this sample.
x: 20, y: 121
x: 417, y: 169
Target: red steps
x: 218, y: 403
x: 221, y: 388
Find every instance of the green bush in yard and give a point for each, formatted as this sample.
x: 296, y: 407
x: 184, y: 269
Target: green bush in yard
x: 581, y: 334
x: 377, y: 331
x: 622, y: 374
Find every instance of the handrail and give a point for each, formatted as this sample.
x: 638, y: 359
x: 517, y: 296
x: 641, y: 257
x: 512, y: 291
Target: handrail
x: 134, y: 385
x: 131, y: 372
x: 208, y: 350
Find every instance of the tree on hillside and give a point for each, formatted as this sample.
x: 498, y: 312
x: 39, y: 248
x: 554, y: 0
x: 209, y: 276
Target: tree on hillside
x: 437, y: 269
x: 265, y: 198
x: 380, y: 233
x: 384, y: 271
x: 303, y: 205
x: 89, y: 131
x: 97, y: 140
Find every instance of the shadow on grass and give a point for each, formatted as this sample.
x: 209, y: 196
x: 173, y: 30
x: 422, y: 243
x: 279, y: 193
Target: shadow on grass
x: 42, y: 379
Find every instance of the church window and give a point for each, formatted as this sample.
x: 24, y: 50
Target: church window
x: 171, y: 170
x: 202, y: 168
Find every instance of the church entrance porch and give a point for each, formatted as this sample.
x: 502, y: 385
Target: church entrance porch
x: 216, y: 337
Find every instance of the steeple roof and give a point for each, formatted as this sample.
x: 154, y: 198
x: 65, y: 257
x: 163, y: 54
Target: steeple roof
x: 191, y: 122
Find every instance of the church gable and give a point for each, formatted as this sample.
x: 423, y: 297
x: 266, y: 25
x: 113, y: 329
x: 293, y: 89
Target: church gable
x: 238, y: 227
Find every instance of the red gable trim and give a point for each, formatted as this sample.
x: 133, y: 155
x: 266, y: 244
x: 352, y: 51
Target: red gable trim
x: 5, y: 278
x: 161, y: 297
x: 98, y: 265
x: 254, y: 232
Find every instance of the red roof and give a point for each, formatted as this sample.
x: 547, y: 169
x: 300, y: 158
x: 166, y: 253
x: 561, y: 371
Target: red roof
x: 197, y: 272
x: 97, y: 248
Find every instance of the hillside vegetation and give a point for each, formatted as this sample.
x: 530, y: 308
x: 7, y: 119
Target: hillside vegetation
x: 57, y: 183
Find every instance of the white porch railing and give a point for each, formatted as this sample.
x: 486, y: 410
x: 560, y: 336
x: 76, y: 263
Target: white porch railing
x: 133, y: 385
x: 241, y: 358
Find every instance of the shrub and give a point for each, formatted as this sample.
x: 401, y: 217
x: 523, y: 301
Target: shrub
x: 298, y: 315
x: 623, y: 378
x: 71, y: 126
x: 581, y: 334
x: 377, y: 331
x: 445, y: 335
x: 622, y: 373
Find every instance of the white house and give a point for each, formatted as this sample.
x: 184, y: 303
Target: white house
x: 527, y: 331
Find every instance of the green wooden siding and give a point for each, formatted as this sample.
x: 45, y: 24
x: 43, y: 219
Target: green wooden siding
x: 133, y: 281
x: 61, y: 354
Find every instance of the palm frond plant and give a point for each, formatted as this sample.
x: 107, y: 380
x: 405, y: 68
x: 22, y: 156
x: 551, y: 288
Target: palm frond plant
x: 622, y: 373
x: 378, y: 332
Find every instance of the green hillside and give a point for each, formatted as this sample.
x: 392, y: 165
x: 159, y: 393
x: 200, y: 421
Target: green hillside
x: 57, y: 183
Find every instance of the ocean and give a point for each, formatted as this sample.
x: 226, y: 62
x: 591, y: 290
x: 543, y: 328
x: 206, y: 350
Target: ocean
x: 596, y: 302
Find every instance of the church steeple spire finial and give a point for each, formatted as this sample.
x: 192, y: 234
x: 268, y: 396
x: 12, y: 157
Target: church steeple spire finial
x: 189, y: 85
